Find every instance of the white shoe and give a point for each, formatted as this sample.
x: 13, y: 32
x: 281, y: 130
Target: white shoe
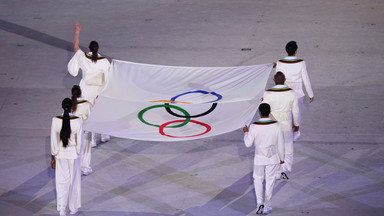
x: 62, y: 213
x: 74, y: 211
x: 94, y: 139
x: 86, y: 171
x: 296, y: 136
x: 93, y: 143
x: 278, y: 176
x: 105, y: 138
x: 267, y: 210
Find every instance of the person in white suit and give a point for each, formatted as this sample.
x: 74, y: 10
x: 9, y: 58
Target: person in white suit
x: 267, y: 137
x: 82, y: 108
x: 66, y: 150
x: 285, y: 110
x: 295, y: 71
x: 95, y: 68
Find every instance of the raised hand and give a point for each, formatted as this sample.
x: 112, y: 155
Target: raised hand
x: 77, y: 27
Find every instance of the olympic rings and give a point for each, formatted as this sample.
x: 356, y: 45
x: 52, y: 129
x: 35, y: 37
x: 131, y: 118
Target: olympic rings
x: 199, y: 115
x: 200, y: 91
x: 194, y: 116
x: 161, y: 129
x: 165, y: 105
x: 186, y: 115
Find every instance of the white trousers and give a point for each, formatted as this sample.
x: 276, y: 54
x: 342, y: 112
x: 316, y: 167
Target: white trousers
x: 286, y: 127
x: 86, y: 157
x: 297, y: 87
x: 68, y: 184
x: 300, y: 101
x: 296, y: 135
x: 267, y: 172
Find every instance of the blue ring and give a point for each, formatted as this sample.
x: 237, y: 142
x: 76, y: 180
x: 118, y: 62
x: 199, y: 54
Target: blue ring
x: 219, y: 97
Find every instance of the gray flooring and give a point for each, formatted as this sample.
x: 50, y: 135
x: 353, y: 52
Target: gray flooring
x: 338, y: 166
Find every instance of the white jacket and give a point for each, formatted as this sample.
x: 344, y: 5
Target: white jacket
x: 94, y: 73
x: 283, y: 102
x: 83, y: 109
x: 75, y: 142
x: 268, y: 139
x: 295, y: 71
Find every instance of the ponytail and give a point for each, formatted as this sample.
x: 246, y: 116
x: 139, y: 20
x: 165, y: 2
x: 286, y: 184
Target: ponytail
x: 94, y: 48
x: 76, y: 93
x: 65, y: 132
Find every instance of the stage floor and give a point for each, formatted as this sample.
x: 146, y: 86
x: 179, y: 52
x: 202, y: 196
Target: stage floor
x: 338, y: 166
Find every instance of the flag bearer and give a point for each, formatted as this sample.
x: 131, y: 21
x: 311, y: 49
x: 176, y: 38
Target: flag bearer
x: 295, y: 71
x: 267, y: 137
x: 284, y: 109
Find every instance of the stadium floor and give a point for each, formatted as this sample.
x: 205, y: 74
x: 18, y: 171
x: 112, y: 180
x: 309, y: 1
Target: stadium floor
x: 338, y: 166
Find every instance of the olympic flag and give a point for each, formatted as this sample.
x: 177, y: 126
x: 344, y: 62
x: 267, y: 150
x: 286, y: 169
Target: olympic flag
x: 169, y: 103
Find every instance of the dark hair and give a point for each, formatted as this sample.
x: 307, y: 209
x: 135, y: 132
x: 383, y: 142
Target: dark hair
x: 94, y: 47
x: 76, y: 93
x: 291, y: 47
x: 279, y: 78
x: 264, y: 109
x: 65, y: 132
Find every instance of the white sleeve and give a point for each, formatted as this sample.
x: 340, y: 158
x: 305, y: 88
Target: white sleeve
x: 54, y: 139
x: 87, y: 111
x: 280, y: 145
x: 295, y: 110
x: 80, y: 138
x: 74, y: 63
x: 83, y: 111
x: 248, y: 137
x: 306, y: 81
x: 107, y: 69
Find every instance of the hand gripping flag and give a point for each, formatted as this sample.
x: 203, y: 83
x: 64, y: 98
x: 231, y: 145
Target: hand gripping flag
x: 169, y: 103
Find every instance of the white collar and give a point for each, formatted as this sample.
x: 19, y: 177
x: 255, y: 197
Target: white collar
x: 90, y: 53
x: 264, y: 119
x: 279, y: 86
x: 70, y: 114
x: 290, y: 57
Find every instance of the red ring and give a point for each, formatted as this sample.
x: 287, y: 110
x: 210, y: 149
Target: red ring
x: 161, y: 129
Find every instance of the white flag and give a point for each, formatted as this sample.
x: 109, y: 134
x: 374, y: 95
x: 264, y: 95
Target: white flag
x: 168, y: 103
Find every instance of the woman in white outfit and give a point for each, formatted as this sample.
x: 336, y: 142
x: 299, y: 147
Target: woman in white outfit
x: 95, y: 68
x: 82, y: 108
x: 66, y: 149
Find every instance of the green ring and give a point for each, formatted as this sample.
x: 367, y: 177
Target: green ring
x: 187, y: 119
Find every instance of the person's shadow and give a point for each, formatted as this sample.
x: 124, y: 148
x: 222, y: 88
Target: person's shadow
x: 25, y: 195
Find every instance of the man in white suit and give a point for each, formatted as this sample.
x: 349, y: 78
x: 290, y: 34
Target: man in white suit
x: 285, y: 110
x: 295, y: 71
x: 267, y: 137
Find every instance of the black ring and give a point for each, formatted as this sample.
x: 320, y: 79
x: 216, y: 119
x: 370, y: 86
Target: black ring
x: 194, y: 116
